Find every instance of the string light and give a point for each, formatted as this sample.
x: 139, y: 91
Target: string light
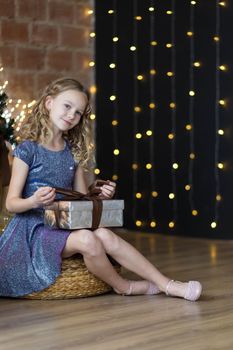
x: 145, y: 109
x: 136, y: 110
x: 189, y: 126
x: 115, y: 114
x: 197, y: 64
x: 133, y: 48
x: 222, y: 102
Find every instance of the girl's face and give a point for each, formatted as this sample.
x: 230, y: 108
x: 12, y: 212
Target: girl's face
x: 66, y: 109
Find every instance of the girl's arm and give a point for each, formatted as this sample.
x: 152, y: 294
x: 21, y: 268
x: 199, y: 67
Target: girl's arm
x: 14, y: 201
x: 80, y: 185
x: 80, y: 182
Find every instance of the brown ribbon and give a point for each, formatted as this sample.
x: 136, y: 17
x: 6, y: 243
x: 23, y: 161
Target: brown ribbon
x: 92, y: 195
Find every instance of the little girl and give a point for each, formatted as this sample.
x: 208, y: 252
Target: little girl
x: 56, y: 151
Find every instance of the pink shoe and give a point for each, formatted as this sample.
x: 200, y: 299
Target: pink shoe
x: 152, y: 289
x: 193, y: 290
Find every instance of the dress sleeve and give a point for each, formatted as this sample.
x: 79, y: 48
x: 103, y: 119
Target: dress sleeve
x: 25, y: 152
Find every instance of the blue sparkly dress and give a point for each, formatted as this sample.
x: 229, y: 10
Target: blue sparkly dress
x: 30, y: 253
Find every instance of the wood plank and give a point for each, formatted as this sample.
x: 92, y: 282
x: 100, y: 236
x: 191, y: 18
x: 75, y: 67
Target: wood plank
x: 137, y: 322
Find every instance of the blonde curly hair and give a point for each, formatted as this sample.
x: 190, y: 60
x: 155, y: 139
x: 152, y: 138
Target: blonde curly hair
x: 36, y: 126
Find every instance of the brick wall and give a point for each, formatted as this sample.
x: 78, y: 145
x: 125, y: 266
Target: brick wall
x: 41, y: 40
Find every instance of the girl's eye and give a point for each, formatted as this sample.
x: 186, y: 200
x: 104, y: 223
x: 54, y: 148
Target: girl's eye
x: 78, y: 113
x: 67, y: 106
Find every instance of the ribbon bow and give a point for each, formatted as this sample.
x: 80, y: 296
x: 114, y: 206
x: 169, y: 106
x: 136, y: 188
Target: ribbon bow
x: 92, y: 195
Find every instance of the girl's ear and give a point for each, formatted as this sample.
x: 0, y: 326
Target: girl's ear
x: 48, y: 102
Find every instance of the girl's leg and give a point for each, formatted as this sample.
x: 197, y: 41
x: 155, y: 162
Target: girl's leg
x: 134, y: 261
x: 96, y: 260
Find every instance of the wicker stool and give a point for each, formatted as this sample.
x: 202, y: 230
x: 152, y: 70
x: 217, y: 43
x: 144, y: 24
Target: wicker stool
x: 75, y: 281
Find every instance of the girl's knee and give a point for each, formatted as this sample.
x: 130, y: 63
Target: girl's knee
x: 88, y: 243
x: 108, y: 238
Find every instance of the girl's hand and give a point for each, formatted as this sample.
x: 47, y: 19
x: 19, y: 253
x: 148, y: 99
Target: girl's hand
x: 43, y: 196
x: 108, y: 191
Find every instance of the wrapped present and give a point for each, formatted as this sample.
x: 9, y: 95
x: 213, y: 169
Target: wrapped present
x: 77, y: 210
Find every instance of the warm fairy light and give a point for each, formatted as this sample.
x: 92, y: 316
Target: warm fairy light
x: 133, y: 48
x: 115, y: 38
x: 222, y: 102
x: 135, y: 166
x: 171, y: 136
x: 153, y: 43
x: 187, y: 187
x: 193, y: 2
x: 194, y: 212
x: 222, y: 3
x: 137, y: 109
x: 168, y: 45
x: 92, y: 89
x: 171, y: 224
x: 90, y: 12
x: 1, y: 69
x: 138, y: 195
x: 220, y: 165
x: 112, y: 98
x: 153, y: 224
x: 218, y: 197
x: 213, y: 224
x: 190, y: 33
x: 92, y: 34
x: 97, y: 171
x: 138, y: 135
x: 110, y: 12
x: 171, y: 195
x: 140, y: 77
x: 114, y: 122
x: 197, y: 64
x: 138, y: 223
x: 152, y: 71
x: 31, y: 104
x: 175, y: 166
x: 192, y: 156
x: 112, y: 65
x: 152, y: 105
x: 188, y: 127
x: 138, y: 18
x: 91, y: 64
x: 216, y: 38
x: 221, y: 132
x: 92, y: 116
x: 170, y: 74
x: 148, y: 166
x: 191, y: 93
x: 172, y: 105
x: 114, y: 177
x: 151, y: 9
x: 149, y: 133
x: 223, y: 67
x: 169, y: 12
x: 154, y: 194
x: 116, y: 152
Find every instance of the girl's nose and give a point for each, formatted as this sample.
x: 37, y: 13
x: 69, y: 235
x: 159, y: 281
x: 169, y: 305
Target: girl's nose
x: 71, y: 115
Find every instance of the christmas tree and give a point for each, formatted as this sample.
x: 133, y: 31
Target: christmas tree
x: 6, y: 127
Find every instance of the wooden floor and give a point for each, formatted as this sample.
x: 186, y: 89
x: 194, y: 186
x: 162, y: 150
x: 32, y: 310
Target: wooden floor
x: 111, y: 322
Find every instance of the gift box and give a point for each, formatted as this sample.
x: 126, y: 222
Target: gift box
x: 77, y: 214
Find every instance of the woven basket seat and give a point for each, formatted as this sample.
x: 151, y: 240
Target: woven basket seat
x: 75, y: 281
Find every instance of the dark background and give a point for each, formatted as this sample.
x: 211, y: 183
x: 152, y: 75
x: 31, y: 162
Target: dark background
x: 158, y: 150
